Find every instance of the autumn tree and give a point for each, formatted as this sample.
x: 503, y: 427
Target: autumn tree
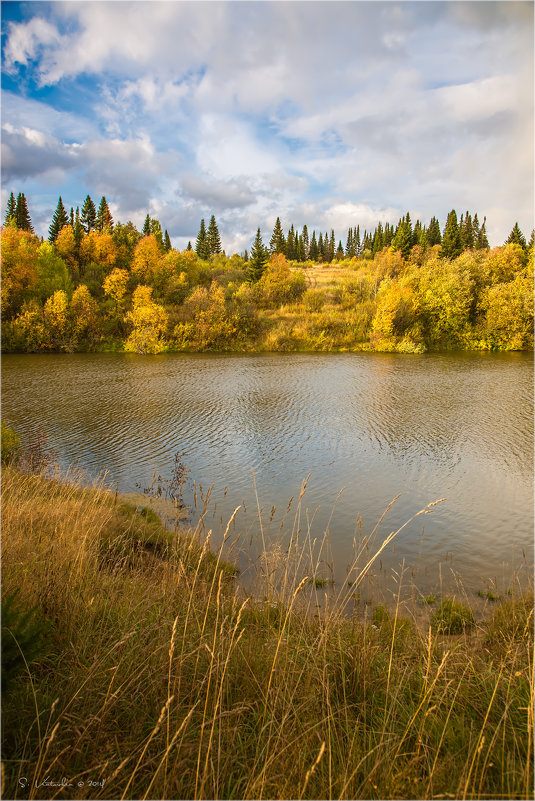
x: 19, y: 258
x: 60, y: 218
x: 83, y: 316
x: 146, y: 256
x: 148, y: 321
x: 115, y: 285
x: 56, y: 318
x: 52, y: 274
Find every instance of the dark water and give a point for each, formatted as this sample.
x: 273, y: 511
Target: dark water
x: 453, y: 426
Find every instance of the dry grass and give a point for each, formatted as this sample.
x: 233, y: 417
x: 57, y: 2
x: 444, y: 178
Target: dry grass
x: 155, y: 679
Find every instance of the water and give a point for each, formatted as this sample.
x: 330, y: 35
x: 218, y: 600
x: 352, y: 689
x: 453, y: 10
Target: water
x: 453, y: 426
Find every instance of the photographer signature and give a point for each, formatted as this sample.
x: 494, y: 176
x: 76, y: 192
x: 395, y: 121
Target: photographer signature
x: 48, y: 782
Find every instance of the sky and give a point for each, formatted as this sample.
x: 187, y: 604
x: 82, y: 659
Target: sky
x: 329, y: 114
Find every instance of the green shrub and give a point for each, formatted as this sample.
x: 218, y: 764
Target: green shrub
x: 10, y: 444
x: 452, y: 618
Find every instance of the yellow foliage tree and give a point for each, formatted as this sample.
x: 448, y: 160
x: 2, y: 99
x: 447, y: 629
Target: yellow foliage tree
x: 83, y: 312
x: 508, y: 309
x: 65, y: 245
x: 57, y: 320
x: 149, y: 321
x: 100, y: 248
x: 115, y: 285
x: 146, y: 257
x: 19, y: 259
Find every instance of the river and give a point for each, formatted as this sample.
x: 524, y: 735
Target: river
x: 366, y: 427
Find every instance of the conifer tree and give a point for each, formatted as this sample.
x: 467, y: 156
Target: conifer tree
x: 146, y: 226
x: 89, y: 215
x: 22, y: 216
x: 349, y: 244
x: 306, y: 243
x: 378, y: 239
x: 340, y: 251
x: 300, y: 253
x: 257, y: 259
x: 482, y: 241
x: 60, y: 218
x: 403, y: 237
x: 434, y: 237
x: 466, y: 231
x: 202, y: 246
x: 277, y: 243
x: 313, y: 249
x: 332, y: 246
x: 189, y: 247
x: 388, y: 235
x: 214, y: 240
x: 475, y: 229
x: 516, y: 237
x: 11, y: 209
x: 451, y: 238
x: 104, y: 218
x: 290, y: 244
x: 155, y: 229
x: 78, y: 228
x: 321, y: 253
x: 166, y: 242
x: 356, y: 240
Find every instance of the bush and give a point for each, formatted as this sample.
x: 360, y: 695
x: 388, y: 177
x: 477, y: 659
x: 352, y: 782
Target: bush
x: 10, y: 444
x: 452, y: 618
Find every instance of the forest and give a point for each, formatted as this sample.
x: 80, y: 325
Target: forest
x: 96, y: 285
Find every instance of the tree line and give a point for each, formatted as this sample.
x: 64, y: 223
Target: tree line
x: 97, y: 284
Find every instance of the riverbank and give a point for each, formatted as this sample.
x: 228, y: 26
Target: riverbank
x: 146, y: 675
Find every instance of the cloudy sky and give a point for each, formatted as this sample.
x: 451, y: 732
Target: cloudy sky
x: 328, y: 113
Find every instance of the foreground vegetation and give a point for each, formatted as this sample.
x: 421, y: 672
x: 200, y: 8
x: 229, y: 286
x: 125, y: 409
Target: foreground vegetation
x: 114, y: 288
x: 134, y: 669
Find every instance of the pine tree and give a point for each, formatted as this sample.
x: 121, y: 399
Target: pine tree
x: 403, y: 237
x: 257, y: 259
x: 321, y: 248
x: 166, y: 242
x: 306, y: 243
x: 300, y: 249
x: 78, y: 228
x: 214, y: 240
x: 290, y: 244
x: 89, y: 215
x: 277, y: 243
x: 313, y: 249
x: 356, y: 239
x: 146, y: 226
x: 378, y: 239
x: 466, y: 231
x: 11, y: 209
x: 189, y: 247
x: 451, y: 238
x: 104, y: 218
x: 482, y: 241
x: 434, y: 237
x: 349, y: 244
x: 202, y: 247
x: 155, y: 229
x: 516, y: 237
x: 340, y: 251
x: 388, y: 235
x: 332, y: 246
x: 22, y: 215
x: 60, y: 218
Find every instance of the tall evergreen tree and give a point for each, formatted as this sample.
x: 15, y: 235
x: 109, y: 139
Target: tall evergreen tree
x: 146, y: 226
x: 104, y: 218
x: 482, y: 241
x: 466, y: 231
x: 378, y: 239
x: 516, y: 237
x: 11, y: 209
x: 451, y: 237
x: 277, y: 243
x: 321, y: 248
x: 22, y: 215
x: 189, y: 247
x: 89, y: 215
x: 306, y: 243
x: 166, y: 242
x: 214, y: 240
x: 300, y: 251
x: 403, y: 237
x: 78, y: 228
x: 313, y: 251
x: 257, y: 259
x: 202, y: 246
x: 60, y: 219
x: 340, y: 251
x: 332, y: 246
x: 349, y: 252
x: 388, y: 235
x: 434, y: 236
x: 356, y: 240
x: 291, y: 244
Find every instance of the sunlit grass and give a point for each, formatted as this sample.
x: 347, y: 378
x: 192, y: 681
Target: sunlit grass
x: 156, y: 678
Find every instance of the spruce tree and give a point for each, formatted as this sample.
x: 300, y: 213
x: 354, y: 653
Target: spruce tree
x: 11, y: 210
x: 189, y: 247
x: 313, y: 249
x: 60, y: 219
x: 451, y: 238
x: 306, y: 243
x: 340, y: 251
x: 277, y: 243
x: 146, y: 226
x: 78, y: 228
x: 89, y: 215
x: 257, y: 259
x: 356, y: 240
x: 332, y: 246
x: 202, y: 247
x: 104, y: 218
x: 403, y: 237
x: 166, y: 242
x: 516, y: 237
x: 300, y: 252
x: 290, y: 244
x: 388, y: 235
x: 214, y: 240
x: 434, y: 237
x: 378, y: 239
x: 22, y: 215
x: 482, y: 241
x: 349, y: 244
x: 321, y: 253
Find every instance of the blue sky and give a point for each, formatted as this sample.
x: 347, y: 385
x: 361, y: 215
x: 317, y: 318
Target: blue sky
x: 332, y: 114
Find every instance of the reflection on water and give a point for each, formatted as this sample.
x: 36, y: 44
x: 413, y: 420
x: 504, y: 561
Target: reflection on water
x: 458, y: 426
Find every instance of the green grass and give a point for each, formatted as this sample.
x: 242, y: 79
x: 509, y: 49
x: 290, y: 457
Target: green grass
x: 155, y: 678
x: 452, y: 618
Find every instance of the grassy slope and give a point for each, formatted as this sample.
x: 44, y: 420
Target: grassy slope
x: 155, y: 679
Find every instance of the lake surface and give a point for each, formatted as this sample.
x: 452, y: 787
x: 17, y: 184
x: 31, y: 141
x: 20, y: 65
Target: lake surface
x: 431, y: 426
